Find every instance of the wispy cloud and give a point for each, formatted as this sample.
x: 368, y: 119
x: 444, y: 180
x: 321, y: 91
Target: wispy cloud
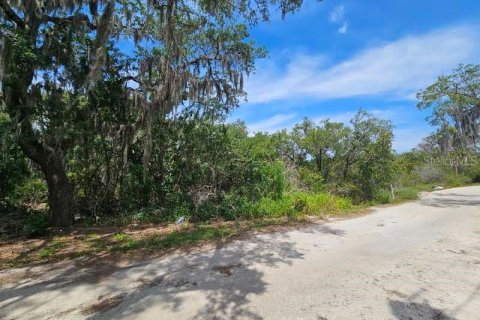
x: 397, y: 69
x: 337, y: 14
x: 337, y: 17
x: 273, y: 124
x: 343, y: 28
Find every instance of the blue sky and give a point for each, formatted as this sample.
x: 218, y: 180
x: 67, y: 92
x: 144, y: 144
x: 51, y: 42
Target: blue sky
x: 334, y: 57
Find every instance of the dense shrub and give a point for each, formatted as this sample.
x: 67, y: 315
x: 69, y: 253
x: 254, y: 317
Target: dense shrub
x: 382, y: 197
x: 32, y: 191
x: 36, y: 224
x: 406, y: 193
x: 302, y: 203
x: 13, y: 164
x: 311, y: 180
x: 429, y: 173
x: 453, y: 180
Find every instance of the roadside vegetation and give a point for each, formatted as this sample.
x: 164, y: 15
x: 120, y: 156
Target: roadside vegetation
x: 96, y: 138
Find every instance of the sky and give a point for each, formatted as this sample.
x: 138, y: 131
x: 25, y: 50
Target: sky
x: 334, y: 57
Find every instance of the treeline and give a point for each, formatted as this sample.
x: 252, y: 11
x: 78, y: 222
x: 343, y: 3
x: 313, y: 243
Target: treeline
x: 116, y: 111
x: 203, y: 168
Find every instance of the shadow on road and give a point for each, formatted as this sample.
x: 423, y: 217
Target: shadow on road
x: 409, y: 309
x: 413, y: 310
x: 226, y: 277
x: 450, y: 200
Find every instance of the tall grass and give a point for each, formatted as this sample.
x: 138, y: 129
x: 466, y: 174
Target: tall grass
x: 302, y: 203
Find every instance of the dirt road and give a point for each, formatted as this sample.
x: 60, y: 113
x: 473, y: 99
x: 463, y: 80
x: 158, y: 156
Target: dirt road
x: 418, y: 260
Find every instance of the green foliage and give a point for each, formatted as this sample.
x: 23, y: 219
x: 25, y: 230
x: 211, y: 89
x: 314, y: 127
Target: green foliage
x: 400, y: 195
x: 92, y: 114
x: 302, y: 203
x: 52, y: 249
x: 354, y: 161
x: 32, y: 191
x: 36, y: 224
x: 182, y: 237
x: 311, y: 179
x: 454, y: 100
x: 407, y: 193
x: 119, y: 237
x: 453, y: 180
x: 382, y: 197
x: 143, y: 145
x: 13, y: 165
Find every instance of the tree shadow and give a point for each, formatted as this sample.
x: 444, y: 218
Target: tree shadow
x: 416, y: 311
x: 226, y: 293
x: 450, y: 200
x: 411, y: 310
x: 325, y: 229
x: 225, y: 278
x: 58, y: 278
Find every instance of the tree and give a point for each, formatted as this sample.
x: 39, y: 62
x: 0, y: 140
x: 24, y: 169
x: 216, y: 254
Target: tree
x: 322, y: 142
x: 455, y: 103
x: 53, y: 55
x: 367, y: 156
x: 13, y: 165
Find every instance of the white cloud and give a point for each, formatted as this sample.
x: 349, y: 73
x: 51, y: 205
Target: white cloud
x: 337, y: 15
x: 272, y: 124
x: 343, y: 28
x: 397, y: 69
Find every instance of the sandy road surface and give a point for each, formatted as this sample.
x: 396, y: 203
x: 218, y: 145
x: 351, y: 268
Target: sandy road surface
x: 418, y: 260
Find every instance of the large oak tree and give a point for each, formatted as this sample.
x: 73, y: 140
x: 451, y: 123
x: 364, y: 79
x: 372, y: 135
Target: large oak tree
x: 54, y: 52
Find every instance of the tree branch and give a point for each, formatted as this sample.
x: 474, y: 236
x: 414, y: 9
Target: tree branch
x: 70, y: 19
x: 11, y: 14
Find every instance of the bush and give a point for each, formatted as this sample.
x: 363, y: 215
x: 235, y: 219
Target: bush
x: 36, y: 224
x: 274, y: 208
x: 13, y: 164
x: 324, y: 203
x: 350, y: 191
x: 312, y: 180
x: 476, y: 178
x: 473, y: 170
x: 430, y: 173
x: 453, y: 180
x: 382, y: 197
x: 302, y: 203
x: 32, y: 191
x: 406, y: 194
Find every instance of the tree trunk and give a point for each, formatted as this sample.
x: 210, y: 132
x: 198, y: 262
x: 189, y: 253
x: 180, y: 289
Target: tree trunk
x: 19, y: 76
x: 319, y: 161
x: 60, y: 192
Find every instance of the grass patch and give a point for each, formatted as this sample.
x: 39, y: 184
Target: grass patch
x: 401, y: 194
x: 120, y: 237
x: 302, y: 203
x: 177, y: 239
x: 405, y: 194
x: 142, y: 243
x: 147, y: 241
x: 50, y: 250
